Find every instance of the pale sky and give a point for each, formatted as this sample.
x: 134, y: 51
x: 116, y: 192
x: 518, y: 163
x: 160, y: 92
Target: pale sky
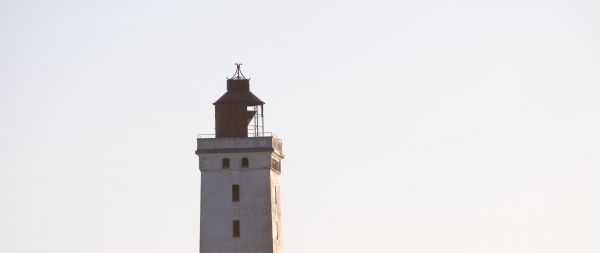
x: 408, y: 126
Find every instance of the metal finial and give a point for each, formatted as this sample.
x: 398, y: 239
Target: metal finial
x: 238, y: 73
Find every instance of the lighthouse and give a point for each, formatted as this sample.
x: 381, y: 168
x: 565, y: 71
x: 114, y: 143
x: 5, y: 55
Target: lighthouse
x: 240, y: 167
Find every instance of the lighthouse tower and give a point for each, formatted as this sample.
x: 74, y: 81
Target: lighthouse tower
x: 240, y: 170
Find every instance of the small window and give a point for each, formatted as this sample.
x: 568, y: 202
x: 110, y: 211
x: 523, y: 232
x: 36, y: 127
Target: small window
x: 235, y: 193
x: 276, y: 165
x: 244, y: 162
x: 236, y: 228
x: 225, y: 163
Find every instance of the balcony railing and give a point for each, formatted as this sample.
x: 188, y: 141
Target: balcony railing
x: 250, y: 135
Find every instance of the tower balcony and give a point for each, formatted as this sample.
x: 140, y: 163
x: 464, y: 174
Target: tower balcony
x: 207, y: 144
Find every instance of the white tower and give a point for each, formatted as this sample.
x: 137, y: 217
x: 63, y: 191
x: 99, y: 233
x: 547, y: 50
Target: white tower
x: 240, y: 170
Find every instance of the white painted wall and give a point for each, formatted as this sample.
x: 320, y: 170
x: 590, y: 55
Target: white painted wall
x: 257, y: 209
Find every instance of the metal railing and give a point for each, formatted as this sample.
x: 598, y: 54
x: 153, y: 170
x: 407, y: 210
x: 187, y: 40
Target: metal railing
x: 250, y: 135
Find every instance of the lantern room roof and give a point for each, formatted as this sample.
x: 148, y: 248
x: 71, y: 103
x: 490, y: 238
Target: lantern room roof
x: 238, y: 90
x: 239, y: 96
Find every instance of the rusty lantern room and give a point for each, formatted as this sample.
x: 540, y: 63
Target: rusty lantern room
x: 239, y: 113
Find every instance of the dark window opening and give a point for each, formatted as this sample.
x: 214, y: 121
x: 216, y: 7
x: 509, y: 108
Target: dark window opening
x: 235, y: 193
x: 225, y: 163
x: 245, y: 162
x: 276, y: 165
x: 236, y: 228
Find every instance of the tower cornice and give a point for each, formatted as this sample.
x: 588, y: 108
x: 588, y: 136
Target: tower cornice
x: 239, y: 145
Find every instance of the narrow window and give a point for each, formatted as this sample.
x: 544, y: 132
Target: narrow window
x: 235, y: 193
x: 236, y: 228
x: 244, y: 162
x: 225, y: 163
x: 275, y: 165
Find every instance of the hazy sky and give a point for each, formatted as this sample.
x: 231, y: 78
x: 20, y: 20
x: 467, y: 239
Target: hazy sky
x: 408, y: 126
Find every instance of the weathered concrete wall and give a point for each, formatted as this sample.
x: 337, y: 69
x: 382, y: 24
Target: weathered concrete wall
x: 257, y: 209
